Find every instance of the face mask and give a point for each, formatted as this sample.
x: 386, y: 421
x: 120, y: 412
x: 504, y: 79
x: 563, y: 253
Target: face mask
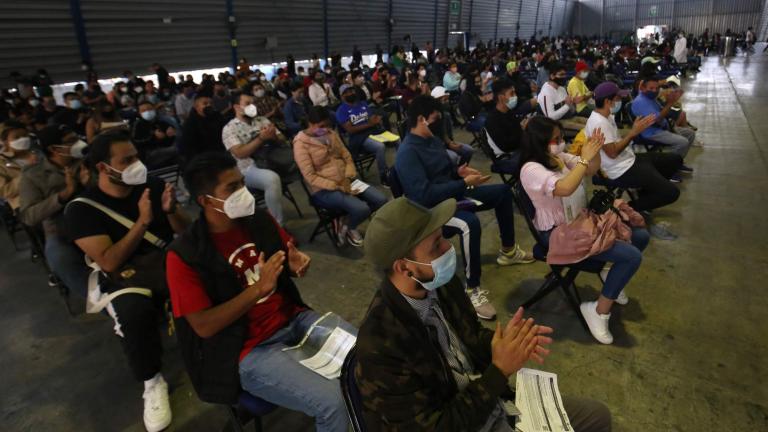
x: 250, y: 110
x: 75, y: 104
x: 34, y: 102
x: 556, y: 149
x: 512, y: 102
x: 584, y: 75
x: 351, y: 99
x: 321, y: 132
x: 208, y: 111
x: 75, y: 150
x: 651, y: 94
x: 148, y: 115
x: 138, y: 89
x: 263, y: 78
x: 359, y: 81
x: 422, y: 73
x: 21, y: 144
x: 221, y: 93
x: 444, y: 268
x: 259, y: 93
x: 560, y: 81
x: 135, y: 174
x: 238, y: 205
x: 616, y: 107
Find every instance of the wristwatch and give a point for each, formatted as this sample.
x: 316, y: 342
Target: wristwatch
x: 583, y: 161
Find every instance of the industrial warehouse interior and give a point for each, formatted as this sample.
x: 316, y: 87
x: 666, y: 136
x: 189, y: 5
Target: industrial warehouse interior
x: 448, y: 215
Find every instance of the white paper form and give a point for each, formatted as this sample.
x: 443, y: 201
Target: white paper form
x: 359, y: 186
x: 540, y: 404
x: 328, y: 361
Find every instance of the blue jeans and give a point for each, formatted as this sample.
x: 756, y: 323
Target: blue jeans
x: 679, y: 141
x: 462, y: 156
x: 626, y: 259
x: 498, y: 197
x: 371, y: 146
x: 275, y: 376
x: 269, y: 182
x: 358, y: 207
x: 67, y: 262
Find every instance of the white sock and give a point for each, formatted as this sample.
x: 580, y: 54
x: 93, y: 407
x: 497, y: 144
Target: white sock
x: 152, y: 381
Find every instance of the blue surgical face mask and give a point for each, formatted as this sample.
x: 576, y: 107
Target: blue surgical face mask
x: 651, y: 94
x: 616, y: 107
x: 444, y: 268
x: 75, y: 104
x: 512, y: 102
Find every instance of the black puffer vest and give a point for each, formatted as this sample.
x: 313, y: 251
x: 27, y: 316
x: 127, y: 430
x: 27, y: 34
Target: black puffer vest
x: 212, y: 363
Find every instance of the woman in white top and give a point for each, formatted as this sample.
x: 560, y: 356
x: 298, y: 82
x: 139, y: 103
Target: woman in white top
x: 548, y: 174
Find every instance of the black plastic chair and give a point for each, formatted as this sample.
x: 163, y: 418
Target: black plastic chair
x: 325, y: 218
x: 614, y: 186
x: 249, y: 408
x: 11, y: 222
x: 363, y: 160
x: 485, y: 146
x: 351, y: 393
x: 562, y: 276
x: 259, y: 195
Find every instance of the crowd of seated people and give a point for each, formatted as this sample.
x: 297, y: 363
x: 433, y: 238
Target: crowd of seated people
x: 80, y: 171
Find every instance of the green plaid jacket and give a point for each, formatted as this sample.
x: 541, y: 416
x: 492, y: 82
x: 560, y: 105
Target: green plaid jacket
x: 403, y: 376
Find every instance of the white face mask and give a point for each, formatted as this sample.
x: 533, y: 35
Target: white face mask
x: 138, y: 89
x: 584, y: 75
x: 135, y: 174
x: 148, y: 115
x: 238, y: 205
x: 259, y: 93
x: 75, y: 150
x: 250, y: 110
x: 422, y: 73
x: 21, y: 144
x: 556, y: 149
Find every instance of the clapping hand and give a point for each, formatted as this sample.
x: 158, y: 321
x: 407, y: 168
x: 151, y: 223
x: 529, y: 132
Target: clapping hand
x: 298, y: 261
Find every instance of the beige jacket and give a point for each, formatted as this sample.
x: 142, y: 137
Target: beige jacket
x: 324, y: 166
x: 38, y: 195
x: 10, y: 176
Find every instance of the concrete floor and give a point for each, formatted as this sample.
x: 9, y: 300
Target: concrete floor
x: 690, y: 350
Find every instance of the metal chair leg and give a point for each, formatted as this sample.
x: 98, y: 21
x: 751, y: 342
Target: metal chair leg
x: 549, y: 285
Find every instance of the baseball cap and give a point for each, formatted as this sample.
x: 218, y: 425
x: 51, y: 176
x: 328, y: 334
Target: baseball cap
x: 609, y: 89
x: 674, y: 79
x: 649, y: 60
x: 52, y: 135
x: 511, y: 65
x: 399, y: 226
x: 581, y: 66
x: 438, y: 92
x: 345, y: 87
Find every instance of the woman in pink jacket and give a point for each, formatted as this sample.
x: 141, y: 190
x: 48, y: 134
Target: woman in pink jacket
x: 328, y: 169
x: 548, y: 175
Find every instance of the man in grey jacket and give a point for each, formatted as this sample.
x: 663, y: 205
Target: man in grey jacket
x: 44, y: 190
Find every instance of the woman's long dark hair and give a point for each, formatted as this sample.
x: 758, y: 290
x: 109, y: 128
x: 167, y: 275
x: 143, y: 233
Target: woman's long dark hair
x: 535, y: 143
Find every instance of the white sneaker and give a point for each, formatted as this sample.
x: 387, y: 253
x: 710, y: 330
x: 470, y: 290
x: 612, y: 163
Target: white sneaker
x: 622, y: 299
x: 597, y: 323
x: 355, y: 238
x: 483, y: 308
x: 515, y: 256
x: 157, y: 409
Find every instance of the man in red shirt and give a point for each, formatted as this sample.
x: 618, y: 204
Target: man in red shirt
x: 235, y: 305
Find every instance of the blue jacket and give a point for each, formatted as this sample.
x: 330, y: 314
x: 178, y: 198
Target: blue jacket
x: 293, y: 112
x: 642, y: 106
x: 426, y: 173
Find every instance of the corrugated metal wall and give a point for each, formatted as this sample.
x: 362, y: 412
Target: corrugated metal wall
x: 693, y: 16
x: 134, y: 34
x: 194, y: 34
x: 763, y: 30
x: 37, y: 34
x: 299, y: 32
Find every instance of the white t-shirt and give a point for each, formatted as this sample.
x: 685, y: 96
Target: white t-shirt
x: 552, y: 101
x: 612, y: 167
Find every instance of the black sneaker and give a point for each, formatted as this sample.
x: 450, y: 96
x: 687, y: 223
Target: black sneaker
x: 686, y: 169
